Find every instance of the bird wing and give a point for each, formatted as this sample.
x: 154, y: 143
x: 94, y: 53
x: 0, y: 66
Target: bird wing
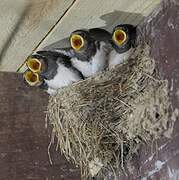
x: 134, y: 37
x: 62, y: 52
x: 58, y: 44
x: 68, y: 51
x: 49, y: 53
x: 100, y: 34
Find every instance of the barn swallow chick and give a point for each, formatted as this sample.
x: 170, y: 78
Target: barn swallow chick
x: 123, y: 44
x: 89, y: 50
x: 50, y: 71
x: 32, y: 78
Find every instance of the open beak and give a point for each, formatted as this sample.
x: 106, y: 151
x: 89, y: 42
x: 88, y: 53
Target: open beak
x: 35, y: 65
x: 77, y: 42
x: 33, y: 79
x: 119, y: 37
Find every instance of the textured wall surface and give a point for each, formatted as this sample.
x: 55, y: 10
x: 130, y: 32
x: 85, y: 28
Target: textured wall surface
x: 24, y: 139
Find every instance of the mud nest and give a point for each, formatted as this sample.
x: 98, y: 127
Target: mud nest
x: 101, y: 121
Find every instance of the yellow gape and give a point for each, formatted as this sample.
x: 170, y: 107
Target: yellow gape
x: 119, y: 36
x: 34, y: 65
x: 32, y: 78
x: 77, y: 42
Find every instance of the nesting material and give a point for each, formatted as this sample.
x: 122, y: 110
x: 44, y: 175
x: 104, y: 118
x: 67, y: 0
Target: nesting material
x: 100, y: 122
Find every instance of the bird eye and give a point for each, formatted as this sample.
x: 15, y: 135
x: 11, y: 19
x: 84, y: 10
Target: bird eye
x: 77, y: 42
x: 34, y: 65
x: 119, y: 36
x: 32, y: 78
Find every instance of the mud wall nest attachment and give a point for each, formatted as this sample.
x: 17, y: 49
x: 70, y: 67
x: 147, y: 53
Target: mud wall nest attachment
x: 100, y: 122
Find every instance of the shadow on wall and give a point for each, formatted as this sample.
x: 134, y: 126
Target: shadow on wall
x: 111, y: 20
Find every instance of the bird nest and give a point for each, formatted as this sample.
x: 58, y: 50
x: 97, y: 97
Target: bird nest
x: 101, y: 121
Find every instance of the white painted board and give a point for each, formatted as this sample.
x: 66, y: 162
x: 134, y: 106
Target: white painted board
x: 23, y: 24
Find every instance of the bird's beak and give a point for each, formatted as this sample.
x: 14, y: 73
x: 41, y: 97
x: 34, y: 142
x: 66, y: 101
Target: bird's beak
x: 119, y: 37
x: 33, y: 79
x: 35, y: 65
x: 77, y: 42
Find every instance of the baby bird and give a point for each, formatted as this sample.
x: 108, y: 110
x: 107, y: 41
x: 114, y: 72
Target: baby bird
x: 50, y: 71
x: 89, y: 50
x: 123, y: 44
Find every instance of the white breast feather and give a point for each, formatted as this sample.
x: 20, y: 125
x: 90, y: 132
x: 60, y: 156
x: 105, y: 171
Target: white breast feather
x: 97, y: 63
x: 51, y: 91
x: 64, y: 77
x: 116, y: 58
x: 84, y: 67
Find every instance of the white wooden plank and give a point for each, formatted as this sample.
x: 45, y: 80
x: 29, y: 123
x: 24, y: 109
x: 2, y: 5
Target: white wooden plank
x: 100, y: 13
x: 23, y: 24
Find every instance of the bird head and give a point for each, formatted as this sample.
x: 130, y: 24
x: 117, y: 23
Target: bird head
x: 32, y: 78
x: 35, y: 64
x: 124, y: 37
x: 80, y: 40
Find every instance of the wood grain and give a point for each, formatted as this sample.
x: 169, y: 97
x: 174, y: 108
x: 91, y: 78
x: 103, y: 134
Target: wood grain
x: 23, y: 24
x: 24, y: 139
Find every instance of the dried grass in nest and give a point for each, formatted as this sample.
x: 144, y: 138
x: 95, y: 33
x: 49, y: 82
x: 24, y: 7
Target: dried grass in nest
x: 100, y: 122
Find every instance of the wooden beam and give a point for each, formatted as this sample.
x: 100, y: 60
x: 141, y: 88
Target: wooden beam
x: 23, y: 25
x: 101, y: 13
x: 24, y: 139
